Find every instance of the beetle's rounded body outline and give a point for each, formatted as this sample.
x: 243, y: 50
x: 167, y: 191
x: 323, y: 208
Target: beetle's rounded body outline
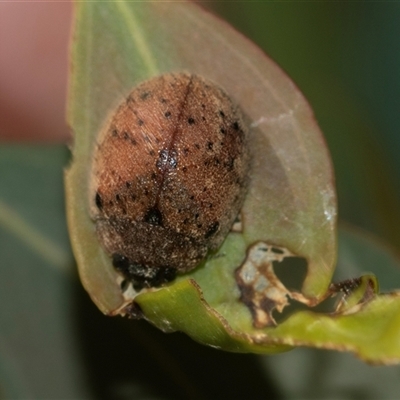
x: 168, y: 177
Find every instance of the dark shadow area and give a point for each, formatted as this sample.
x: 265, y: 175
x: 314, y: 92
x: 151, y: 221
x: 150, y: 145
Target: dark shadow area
x: 325, y: 307
x: 128, y: 359
x: 291, y: 272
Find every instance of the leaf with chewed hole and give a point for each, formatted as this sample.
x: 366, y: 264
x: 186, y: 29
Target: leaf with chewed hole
x: 291, y: 200
x: 231, y: 300
x: 362, y: 322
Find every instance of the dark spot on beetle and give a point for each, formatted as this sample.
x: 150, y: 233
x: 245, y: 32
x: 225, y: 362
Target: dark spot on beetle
x: 111, y: 203
x: 128, y: 185
x: 168, y: 274
x: 147, y: 139
x: 184, y: 169
x: 163, y: 101
x: 152, y: 153
x: 114, y: 133
x: 172, y: 161
x: 185, y: 151
x: 144, y: 95
x: 221, y: 113
x: 186, y: 221
x: 229, y: 164
x: 192, y: 197
x: 205, y: 189
x: 217, y: 161
x: 197, y: 215
x: 167, y: 114
x: 210, y: 205
x: 206, y: 163
x: 118, y: 197
x: 141, y: 275
x: 162, y: 159
x: 146, y: 192
x: 210, y: 145
x: 140, y: 122
x: 203, y: 105
x: 99, y: 201
x: 203, y: 118
x: 223, y: 130
x: 154, y: 216
x: 145, y: 276
x: 197, y: 146
x: 212, y: 229
x: 167, y: 158
x: 153, y: 175
x: 134, y: 142
x: 133, y: 197
x: 179, y: 210
x: 120, y: 263
x: 199, y: 226
x: 126, y: 135
x: 236, y: 126
x: 191, y: 121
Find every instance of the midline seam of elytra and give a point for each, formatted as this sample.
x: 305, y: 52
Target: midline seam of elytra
x: 170, y: 145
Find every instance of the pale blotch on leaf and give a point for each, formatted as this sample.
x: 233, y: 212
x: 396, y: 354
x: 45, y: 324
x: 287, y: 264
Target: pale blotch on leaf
x: 261, y: 290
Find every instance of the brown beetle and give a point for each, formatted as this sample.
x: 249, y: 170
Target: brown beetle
x: 169, y: 176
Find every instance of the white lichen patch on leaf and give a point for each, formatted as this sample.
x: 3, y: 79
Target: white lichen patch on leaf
x: 261, y: 290
x: 283, y: 118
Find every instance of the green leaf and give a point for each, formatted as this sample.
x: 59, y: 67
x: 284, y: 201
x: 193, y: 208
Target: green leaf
x: 119, y: 44
x: 368, y: 327
x: 289, y: 211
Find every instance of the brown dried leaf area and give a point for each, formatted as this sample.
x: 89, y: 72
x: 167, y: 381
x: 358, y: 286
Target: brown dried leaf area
x: 355, y: 292
x: 261, y: 290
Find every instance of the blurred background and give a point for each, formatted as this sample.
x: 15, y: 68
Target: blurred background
x: 345, y: 58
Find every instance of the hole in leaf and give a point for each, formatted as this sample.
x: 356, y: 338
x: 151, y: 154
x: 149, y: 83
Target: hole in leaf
x: 291, y: 271
x: 325, y: 307
x: 124, y: 285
